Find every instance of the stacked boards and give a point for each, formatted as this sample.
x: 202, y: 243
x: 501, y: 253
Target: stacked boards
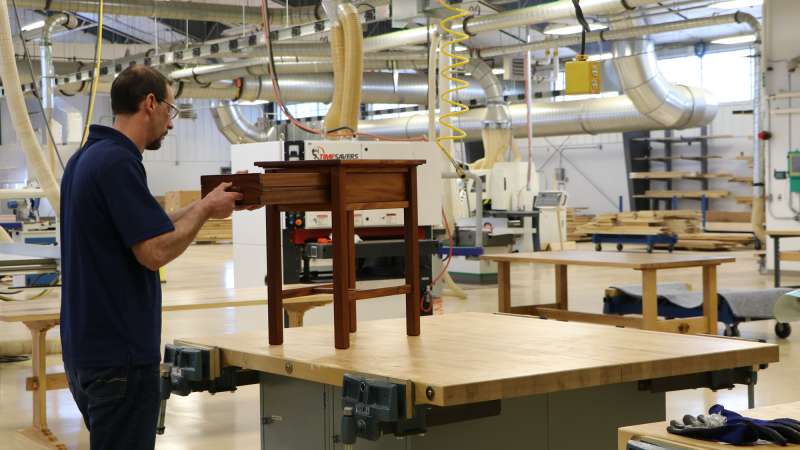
x: 575, y: 220
x: 684, y: 224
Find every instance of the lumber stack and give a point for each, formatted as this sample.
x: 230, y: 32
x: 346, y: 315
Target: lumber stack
x: 575, y: 220
x: 215, y: 230
x: 684, y: 224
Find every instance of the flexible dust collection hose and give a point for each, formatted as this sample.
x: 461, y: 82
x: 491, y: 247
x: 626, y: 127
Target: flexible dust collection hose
x: 19, y: 116
x: 354, y: 64
x: 333, y: 120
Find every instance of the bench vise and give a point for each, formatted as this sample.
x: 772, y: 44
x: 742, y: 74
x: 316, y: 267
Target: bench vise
x: 188, y: 369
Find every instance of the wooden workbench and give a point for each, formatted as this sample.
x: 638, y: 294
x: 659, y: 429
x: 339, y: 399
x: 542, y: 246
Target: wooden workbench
x: 539, y: 369
x: 657, y: 432
x: 648, y: 264
x: 42, y: 314
x: 472, y: 357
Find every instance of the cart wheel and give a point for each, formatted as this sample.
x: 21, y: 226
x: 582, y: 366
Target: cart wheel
x: 732, y: 330
x: 783, y: 330
x: 758, y: 244
x: 619, y: 247
x: 598, y: 247
x: 671, y: 248
x: 649, y: 249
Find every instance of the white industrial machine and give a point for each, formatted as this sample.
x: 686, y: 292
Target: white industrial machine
x: 249, y: 240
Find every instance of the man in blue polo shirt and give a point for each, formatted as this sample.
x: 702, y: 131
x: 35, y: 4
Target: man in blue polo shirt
x: 114, y: 238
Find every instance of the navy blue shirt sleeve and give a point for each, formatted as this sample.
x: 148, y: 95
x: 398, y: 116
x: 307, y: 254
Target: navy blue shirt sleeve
x: 134, y: 211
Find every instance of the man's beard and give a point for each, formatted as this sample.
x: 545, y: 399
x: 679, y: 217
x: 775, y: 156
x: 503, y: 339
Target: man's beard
x: 155, y: 145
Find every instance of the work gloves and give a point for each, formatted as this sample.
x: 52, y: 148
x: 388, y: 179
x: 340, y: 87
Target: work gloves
x: 733, y: 428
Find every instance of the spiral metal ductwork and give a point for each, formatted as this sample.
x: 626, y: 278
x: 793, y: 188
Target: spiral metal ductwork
x: 235, y: 127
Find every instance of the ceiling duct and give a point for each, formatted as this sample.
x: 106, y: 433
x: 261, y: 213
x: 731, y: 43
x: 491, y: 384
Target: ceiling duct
x: 235, y: 127
x: 188, y: 10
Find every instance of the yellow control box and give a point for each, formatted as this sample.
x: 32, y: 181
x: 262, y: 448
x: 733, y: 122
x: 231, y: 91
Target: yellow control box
x: 582, y: 76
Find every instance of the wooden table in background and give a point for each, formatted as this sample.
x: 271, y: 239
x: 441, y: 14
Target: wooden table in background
x: 648, y: 264
x: 656, y: 433
x: 41, y: 315
x: 776, y: 236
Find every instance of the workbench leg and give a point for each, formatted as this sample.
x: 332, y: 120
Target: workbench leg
x: 40, y: 433
x: 413, y: 303
x: 295, y: 314
x: 504, y: 286
x: 562, y: 298
x: 341, y: 264
x: 776, y: 267
x: 274, y: 276
x: 649, y: 300
x: 351, y: 261
x: 710, y: 298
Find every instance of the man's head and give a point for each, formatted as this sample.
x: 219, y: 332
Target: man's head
x: 142, y: 95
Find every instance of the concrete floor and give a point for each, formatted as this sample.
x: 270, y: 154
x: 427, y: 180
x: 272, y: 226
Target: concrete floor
x: 230, y: 421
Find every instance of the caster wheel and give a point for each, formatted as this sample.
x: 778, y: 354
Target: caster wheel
x: 783, y: 330
x: 619, y: 247
x: 598, y: 247
x: 671, y: 249
x: 732, y: 330
x: 649, y: 249
x: 757, y: 244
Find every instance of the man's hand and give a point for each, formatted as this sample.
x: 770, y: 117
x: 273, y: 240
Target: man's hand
x: 250, y: 207
x: 220, y: 203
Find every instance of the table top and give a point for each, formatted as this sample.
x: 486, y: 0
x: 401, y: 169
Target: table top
x: 352, y: 163
x: 658, y: 430
x: 473, y: 357
x: 784, y: 233
x: 16, y: 253
x: 49, y: 307
x: 639, y: 261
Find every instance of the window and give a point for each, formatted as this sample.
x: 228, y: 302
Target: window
x: 301, y: 110
x: 727, y: 75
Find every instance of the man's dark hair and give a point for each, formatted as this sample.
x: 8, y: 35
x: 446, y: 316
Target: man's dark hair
x: 133, y: 85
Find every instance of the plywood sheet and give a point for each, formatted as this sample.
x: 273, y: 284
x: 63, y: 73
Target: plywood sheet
x: 471, y: 357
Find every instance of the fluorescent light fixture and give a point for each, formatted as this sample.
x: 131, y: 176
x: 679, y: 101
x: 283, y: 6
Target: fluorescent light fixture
x: 460, y: 48
x: 601, y: 57
x: 498, y: 71
x: 33, y: 26
x: 736, y: 4
x: 744, y: 39
x: 251, y: 103
x: 560, y: 30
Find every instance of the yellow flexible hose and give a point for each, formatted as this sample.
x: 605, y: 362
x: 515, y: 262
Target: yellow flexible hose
x: 333, y: 120
x: 354, y: 67
x: 457, y: 61
x: 96, y: 78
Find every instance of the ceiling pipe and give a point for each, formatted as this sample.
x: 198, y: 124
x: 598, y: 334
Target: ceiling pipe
x: 622, y: 33
x: 235, y: 127
x: 258, y: 67
x: 548, y: 12
x: 232, y: 14
x: 378, y: 87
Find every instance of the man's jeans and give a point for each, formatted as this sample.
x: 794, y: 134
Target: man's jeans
x: 119, y: 405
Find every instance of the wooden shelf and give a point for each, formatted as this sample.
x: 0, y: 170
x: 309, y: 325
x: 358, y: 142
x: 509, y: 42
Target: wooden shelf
x: 674, y: 158
x: 689, y: 139
x: 683, y: 194
x: 743, y: 179
x: 679, y: 176
x: 744, y: 200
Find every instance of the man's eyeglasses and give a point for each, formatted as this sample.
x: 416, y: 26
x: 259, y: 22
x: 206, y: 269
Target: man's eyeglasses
x: 173, y: 110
